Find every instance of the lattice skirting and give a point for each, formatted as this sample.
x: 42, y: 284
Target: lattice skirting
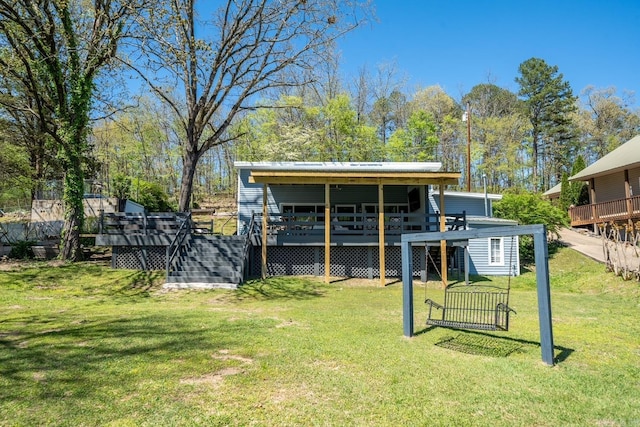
x: 346, y: 261
x: 139, y: 257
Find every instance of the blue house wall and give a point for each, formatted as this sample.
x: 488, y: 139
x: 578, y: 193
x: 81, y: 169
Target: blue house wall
x: 471, y: 203
x: 479, y: 251
x: 250, y: 196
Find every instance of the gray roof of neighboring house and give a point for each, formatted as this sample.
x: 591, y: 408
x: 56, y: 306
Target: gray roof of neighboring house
x: 490, y: 196
x: 553, y: 191
x: 626, y: 156
x: 484, y: 220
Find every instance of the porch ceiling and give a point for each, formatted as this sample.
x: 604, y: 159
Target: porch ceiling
x: 354, y: 177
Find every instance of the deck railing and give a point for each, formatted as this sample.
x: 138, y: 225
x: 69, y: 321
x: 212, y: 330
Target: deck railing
x: 614, y: 210
x: 141, y: 223
x: 312, y: 225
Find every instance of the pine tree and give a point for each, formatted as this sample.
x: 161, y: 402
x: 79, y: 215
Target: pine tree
x: 548, y: 103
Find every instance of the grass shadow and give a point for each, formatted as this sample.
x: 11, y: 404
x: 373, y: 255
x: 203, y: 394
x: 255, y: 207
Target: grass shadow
x: 481, y: 345
x: 486, y: 344
x: 64, y: 349
x: 277, y: 288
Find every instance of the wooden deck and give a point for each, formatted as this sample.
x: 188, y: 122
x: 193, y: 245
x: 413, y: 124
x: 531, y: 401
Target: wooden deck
x: 620, y: 210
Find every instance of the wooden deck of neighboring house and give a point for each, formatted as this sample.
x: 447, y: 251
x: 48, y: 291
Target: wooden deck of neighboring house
x: 617, y: 211
x: 612, y: 181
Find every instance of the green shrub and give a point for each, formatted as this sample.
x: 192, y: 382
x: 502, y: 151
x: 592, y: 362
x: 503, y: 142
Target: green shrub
x: 22, y: 250
x: 150, y: 195
x: 530, y: 208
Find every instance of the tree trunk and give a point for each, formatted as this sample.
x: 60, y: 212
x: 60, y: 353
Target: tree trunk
x: 73, y: 208
x: 189, y: 164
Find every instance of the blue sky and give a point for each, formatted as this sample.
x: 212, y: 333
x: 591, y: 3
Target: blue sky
x: 460, y: 44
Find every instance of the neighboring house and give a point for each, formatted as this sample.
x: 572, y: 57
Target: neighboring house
x: 612, y: 181
x: 308, y: 208
x: 554, y: 192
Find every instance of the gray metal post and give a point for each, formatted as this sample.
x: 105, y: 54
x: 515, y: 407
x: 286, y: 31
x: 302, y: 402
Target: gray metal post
x: 407, y: 288
x: 544, y: 295
x: 466, y: 265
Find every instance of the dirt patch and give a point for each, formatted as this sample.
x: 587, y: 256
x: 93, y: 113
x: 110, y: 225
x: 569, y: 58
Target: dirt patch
x: 226, y: 355
x: 213, y: 379
x: 15, y: 265
x: 11, y: 265
x: 289, y: 323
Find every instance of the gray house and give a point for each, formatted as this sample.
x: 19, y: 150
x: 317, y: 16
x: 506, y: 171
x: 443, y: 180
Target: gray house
x: 326, y: 219
x: 495, y: 256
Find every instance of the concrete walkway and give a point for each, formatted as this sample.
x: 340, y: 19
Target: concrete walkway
x: 583, y: 242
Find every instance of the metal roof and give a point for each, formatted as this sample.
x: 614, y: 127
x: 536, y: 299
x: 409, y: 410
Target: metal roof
x: 342, y: 166
x: 475, y: 219
x: 380, y: 173
x: 626, y: 156
x: 471, y: 195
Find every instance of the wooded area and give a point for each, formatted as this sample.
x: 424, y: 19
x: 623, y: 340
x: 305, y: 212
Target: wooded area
x: 161, y: 97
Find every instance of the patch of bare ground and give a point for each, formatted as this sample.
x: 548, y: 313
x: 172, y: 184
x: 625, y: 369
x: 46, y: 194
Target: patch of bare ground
x: 213, y: 379
x: 14, y: 265
x: 226, y: 355
x: 301, y: 392
x: 289, y: 323
x: 216, y: 378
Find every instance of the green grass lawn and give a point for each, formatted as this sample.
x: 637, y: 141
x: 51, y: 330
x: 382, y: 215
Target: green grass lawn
x: 85, y: 345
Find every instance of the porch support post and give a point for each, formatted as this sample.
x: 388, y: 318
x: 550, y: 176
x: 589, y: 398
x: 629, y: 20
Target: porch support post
x: 544, y: 294
x: 592, y: 197
x: 627, y: 195
x: 327, y: 232
x: 381, y: 233
x: 443, y: 243
x: 407, y: 288
x: 265, y: 213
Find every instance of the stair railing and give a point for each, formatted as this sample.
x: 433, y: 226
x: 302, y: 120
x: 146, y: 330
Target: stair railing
x: 232, y: 216
x: 247, y: 244
x: 178, y: 240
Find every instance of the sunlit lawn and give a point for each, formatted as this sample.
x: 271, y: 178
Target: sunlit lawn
x: 86, y: 345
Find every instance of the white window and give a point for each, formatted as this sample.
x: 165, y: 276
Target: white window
x: 496, y: 251
x: 388, y: 208
x: 302, y: 212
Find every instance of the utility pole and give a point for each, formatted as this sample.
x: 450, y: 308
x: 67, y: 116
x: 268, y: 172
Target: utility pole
x: 467, y: 118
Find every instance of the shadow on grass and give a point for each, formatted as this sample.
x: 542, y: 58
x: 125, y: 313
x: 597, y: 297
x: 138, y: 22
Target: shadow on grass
x: 485, y: 344
x: 141, y: 283
x: 276, y: 288
x: 64, y: 356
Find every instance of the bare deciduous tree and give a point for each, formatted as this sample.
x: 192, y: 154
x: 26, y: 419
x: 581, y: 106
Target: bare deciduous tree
x: 208, y: 72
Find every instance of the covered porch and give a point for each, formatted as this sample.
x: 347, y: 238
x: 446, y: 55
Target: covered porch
x: 329, y: 225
